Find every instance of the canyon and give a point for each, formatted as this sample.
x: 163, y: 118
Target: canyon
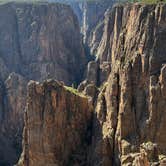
x: 116, y: 116
x: 38, y: 41
x: 90, y: 16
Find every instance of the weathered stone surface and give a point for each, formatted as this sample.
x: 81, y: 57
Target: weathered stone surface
x: 104, y: 71
x: 56, y: 126
x: 93, y: 12
x: 13, y: 100
x: 37, y: 41
x: 132, y: 109
x: 90, y: 15
x: 43, y: 41
x: 128, y: 125
x: 96, y: 37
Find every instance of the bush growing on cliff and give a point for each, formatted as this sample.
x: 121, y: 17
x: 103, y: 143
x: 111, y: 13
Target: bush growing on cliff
x: 74, y: 91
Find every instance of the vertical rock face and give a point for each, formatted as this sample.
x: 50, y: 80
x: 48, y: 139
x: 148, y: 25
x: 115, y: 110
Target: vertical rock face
x: 13, y: 100
x: 37, y: 41
x: 90, y: 15
x: 131, y: 109
x: 56, y: 126
x: 128, y: 122
x: 43, y: 40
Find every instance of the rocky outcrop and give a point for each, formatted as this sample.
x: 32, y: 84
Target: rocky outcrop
x: 57, y: 123
x: 37, y: 41
x: 131, y: 110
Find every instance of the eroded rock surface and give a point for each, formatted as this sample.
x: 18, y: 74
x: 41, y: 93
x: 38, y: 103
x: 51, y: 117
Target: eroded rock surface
x: 57, y: 123
x: 127, y: 126
x: 13, y: 101
x: 37, y: 41
x: 43, y: 41
x: 131, y: 109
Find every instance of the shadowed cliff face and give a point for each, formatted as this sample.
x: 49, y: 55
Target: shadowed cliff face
x: 43, y: 41
x: 56, y: 126
x: 89, y: 14
x: 37, y: 41
x: 93, y: 12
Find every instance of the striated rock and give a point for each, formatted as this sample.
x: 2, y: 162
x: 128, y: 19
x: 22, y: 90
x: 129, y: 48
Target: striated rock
x: 131, y: 110
x: 37, y: 41
x: 127, y: 125
x: 43, y: 41
x: 93, y: 12
x: 90, y: 15
x: 56, y: 126
x: 96, y: 36
x: 100, y: 149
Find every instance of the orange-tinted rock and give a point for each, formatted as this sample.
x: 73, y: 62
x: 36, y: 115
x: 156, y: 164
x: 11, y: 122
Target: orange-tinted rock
x: 56, y: 126
x: 134, y: 100
x: 129, y: 117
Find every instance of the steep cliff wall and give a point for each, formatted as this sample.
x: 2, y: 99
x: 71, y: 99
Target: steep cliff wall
x: 90, y: 15
x: 91, y: 20
x: 37, y: 41
x: 43, y: 40
x: 131, y: 107
x: 128, y: 123
x: 93, y: 12
x: 57, y: 121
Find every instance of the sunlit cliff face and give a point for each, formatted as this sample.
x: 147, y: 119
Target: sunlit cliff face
x: 115, y: 57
